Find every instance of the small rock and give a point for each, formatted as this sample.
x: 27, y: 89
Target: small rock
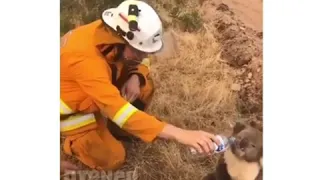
x: 247, y: 80
x: 223, y: 7
x: 242, y: 28
x: 239, y: 72
x: 249, y: 75
x: 258, y: 70
x: 236, y: 87
x: 260, y: 35
x: 246, y: 85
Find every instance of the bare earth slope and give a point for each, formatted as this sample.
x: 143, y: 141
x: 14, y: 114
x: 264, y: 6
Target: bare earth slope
x: 248, y: 11
x: 240, y: 37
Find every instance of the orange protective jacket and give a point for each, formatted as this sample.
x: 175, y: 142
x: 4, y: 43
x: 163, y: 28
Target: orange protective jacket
x: 85, y: 82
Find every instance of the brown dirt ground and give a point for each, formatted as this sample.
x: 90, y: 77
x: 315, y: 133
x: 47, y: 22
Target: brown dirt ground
x: 238, y: 29
x: 214, y: 79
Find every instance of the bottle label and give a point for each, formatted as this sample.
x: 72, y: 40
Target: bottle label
x: 221, y: 147
x: 218, y: 149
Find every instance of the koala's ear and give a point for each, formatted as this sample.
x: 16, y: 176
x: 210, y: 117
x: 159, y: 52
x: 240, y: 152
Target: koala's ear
x: 261, y: 152
x: 238, y: 127
x: 256, y: 126
x: 260, y: 155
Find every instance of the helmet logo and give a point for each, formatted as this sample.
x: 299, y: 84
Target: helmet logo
x: 108, y: 13
x: 155, y: 38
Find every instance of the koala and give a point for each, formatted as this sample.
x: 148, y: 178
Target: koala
x: 243, y: 159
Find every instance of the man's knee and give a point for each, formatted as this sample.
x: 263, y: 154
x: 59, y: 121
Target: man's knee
x: 95, y: 152
x: 115, y: 160
x: 112, y: 161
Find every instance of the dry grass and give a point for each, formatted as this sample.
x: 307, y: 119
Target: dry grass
x: 192, y: 91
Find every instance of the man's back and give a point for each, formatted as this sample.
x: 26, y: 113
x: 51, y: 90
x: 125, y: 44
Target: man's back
x: 80, y: 58
x: 75, y: 45
x: 79, y: 39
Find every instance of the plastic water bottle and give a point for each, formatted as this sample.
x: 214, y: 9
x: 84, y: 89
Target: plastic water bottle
x: 225, y: 143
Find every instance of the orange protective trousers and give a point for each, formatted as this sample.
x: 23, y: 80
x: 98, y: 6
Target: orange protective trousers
x: 98, y: 148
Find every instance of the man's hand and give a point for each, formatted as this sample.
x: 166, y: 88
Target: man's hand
x: 66, y: 167
x: 200, y: 140
x: 131, y: 89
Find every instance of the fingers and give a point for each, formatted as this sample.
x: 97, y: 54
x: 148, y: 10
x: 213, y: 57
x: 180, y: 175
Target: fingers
x: 136, y: 96
x: 205, y: 145
x: 198, y: 148
x: 70, y: 166
x: 67, y: 167
x: 213, y: 138
x: 209, y: 144
x: 68, y: 172
x: 123, y: 92
x: 131, y: 97
x: 206, y: 141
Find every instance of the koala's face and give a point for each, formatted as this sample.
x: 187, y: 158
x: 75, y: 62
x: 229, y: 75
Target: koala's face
x: 248, y: 143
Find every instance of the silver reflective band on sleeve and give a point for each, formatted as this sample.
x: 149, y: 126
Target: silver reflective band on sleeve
x: 64, y: 109
x: 124, y: 114
x: 76, y: 121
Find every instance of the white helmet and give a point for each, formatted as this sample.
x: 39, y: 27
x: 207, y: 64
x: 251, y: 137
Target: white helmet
x: 138, y: 23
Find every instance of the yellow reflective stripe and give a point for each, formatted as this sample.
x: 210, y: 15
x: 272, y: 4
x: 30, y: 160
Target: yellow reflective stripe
x: 132, y: 18
x: 64, y: 109
x: 77, y: 121
x: 124, y: 114
x: 146, y: 62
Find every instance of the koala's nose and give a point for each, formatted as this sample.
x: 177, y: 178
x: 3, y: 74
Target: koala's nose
x: 244, y: 143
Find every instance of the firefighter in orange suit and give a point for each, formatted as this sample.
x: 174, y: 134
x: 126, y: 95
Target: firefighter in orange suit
x: 94, y: 58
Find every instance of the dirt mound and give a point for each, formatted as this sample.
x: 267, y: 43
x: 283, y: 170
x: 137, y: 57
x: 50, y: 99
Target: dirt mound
x: 239, y: 42
x: 241, y: 48
x: 249, y: 11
